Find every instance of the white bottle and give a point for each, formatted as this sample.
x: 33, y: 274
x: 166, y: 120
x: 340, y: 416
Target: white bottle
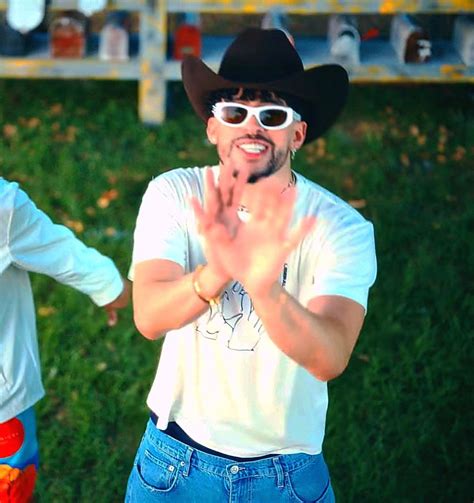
x: 344, y: 39
x: 114, y: 38
x: 25, y: 15
x: 89, y: 7
x: 463, y: 38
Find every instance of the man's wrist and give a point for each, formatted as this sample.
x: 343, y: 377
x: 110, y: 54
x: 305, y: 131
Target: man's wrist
x: 265, y: 291
x: 207, y: 284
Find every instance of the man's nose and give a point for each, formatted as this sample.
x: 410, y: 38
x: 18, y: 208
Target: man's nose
x: 252, y: 125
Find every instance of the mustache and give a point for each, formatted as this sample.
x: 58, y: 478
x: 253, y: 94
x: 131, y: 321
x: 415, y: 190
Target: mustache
x: 255, y: 177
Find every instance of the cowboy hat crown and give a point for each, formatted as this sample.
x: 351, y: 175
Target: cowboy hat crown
x: 266, y: 60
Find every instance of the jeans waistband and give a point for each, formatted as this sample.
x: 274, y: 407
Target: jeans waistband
x: 176, y: 432
x: 268, y: 466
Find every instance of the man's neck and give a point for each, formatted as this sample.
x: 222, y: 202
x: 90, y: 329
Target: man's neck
x: 285, y: 177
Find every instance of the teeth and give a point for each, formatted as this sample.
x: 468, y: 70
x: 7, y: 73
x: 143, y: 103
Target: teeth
x: 252, y: 148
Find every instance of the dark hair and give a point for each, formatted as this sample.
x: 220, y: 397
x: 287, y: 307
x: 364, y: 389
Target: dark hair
x: 246, y: 94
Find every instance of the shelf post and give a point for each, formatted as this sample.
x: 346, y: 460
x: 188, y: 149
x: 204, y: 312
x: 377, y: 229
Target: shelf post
x: 152, y: 83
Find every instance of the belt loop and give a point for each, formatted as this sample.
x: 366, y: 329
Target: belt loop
x: 187, y: 463
x: 279, y: 470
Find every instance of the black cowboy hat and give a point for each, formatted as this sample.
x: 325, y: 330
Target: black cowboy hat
x: 265, y: 59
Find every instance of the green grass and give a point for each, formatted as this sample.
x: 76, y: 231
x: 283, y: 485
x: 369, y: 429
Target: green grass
x: 400, y: 422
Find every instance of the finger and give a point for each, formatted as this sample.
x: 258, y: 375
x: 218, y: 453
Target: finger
x: 289, y: 194
x: 212, y: 199
x: 112, y: 317
x: 284, y: 211
x: 203, y: 221
x: 226, y: 182
x: 265, y: 198
x: 234, y: 178
x: 302, y: 230
x: 240, y: 180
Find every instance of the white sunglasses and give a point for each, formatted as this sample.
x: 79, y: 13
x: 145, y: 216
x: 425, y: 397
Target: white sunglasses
x: 268, y: 116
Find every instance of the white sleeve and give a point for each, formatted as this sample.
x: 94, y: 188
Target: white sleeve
x: 37, y: 244
x: 347, y: 264
x: 159, y: 231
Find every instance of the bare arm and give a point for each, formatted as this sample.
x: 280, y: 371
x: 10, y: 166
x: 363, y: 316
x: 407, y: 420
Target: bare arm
x: 164, y: 297
x: 320, y: 337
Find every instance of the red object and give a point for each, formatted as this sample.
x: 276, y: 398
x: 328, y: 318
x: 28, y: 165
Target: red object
x: 187, y: 41
x: 370, y: 33
x: 68, y: 39
x: 17, y: 486
x: 12, y: 435
x: 67, y: 46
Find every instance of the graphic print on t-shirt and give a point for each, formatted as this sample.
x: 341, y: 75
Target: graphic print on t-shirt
x: 234, y: 321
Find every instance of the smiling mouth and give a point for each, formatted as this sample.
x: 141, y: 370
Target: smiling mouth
x: 253, y: 148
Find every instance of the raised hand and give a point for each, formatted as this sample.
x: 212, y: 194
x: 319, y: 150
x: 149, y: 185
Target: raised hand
x: 252, y: 252
x: 219, y: 213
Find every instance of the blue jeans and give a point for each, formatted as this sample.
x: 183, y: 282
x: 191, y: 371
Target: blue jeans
x: 168, y: 470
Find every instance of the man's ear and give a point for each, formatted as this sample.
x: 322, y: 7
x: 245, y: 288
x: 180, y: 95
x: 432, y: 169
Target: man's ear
x: 211, y: 130
x: 299, y: 134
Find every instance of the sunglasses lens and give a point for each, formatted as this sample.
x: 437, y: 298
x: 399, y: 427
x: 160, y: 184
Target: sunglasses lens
x: 233, y: 114
x: 273, y: 117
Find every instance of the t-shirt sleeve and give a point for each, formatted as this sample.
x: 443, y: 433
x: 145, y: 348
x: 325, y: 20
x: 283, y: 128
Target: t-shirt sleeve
x: 159, y: 231
x: 346, y: 265
x: 37, y: 244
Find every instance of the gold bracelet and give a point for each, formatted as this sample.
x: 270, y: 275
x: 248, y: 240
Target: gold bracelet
x: 212, y: 301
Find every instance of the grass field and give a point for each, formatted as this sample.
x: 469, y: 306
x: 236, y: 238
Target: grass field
x: 400, y: 425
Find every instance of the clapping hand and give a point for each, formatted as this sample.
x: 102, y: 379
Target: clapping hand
x: 252, y: 252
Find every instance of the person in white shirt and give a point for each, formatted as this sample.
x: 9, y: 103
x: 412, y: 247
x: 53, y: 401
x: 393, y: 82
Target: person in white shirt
x: 31, y: 242
x: 259, y: 279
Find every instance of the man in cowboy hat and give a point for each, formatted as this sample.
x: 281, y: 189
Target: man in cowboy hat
x: 258, y: 277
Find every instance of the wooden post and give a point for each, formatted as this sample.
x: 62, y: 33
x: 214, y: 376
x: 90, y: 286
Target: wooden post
x: 152, y: 84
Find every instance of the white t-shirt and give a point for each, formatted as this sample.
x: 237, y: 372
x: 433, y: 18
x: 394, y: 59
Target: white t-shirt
x: 221, y: 378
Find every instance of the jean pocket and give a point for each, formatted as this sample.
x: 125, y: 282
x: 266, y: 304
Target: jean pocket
x: 310, y: 483
x: 156, y: 470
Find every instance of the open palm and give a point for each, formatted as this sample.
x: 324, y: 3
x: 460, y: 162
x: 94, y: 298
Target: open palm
x: 251, y: 251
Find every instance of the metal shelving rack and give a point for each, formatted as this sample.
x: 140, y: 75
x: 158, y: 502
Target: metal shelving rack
x: 38, y: 64
x: 153, y: 70
x: 147, y: 67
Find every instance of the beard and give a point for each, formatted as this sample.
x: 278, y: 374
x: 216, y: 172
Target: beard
x: 275, y: 163
x: 277, y: 160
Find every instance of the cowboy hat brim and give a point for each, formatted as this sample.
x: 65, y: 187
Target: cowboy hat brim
x: 322, y: 91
